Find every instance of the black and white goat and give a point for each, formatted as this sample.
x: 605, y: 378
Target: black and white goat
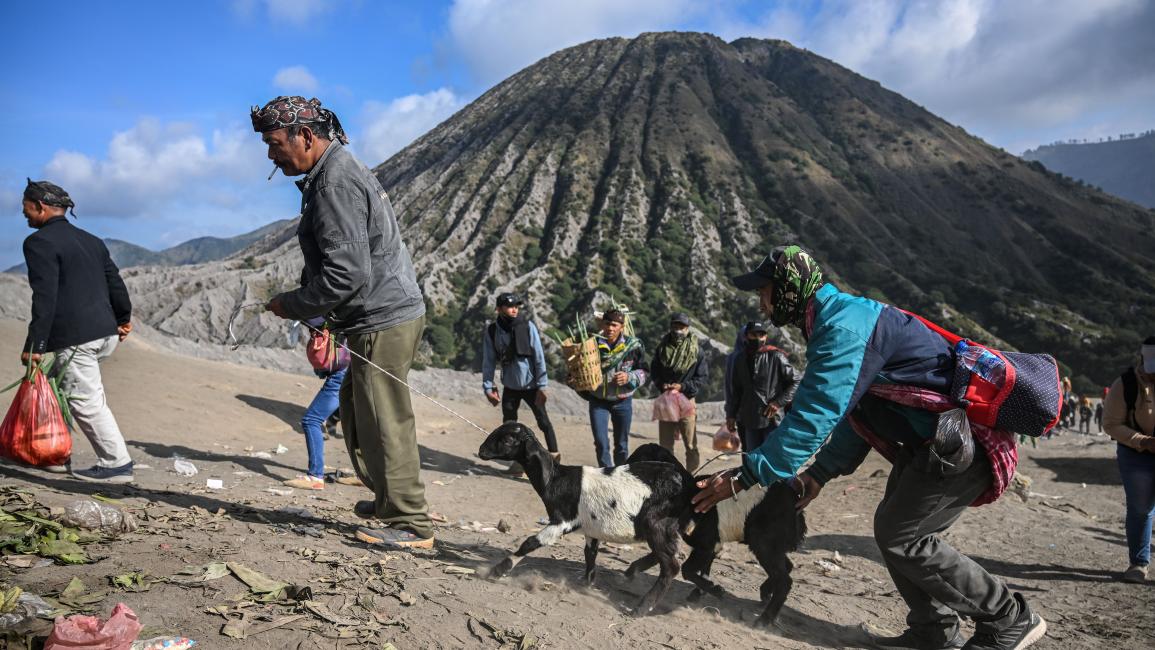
x: 765, y: 519
x: 641, y: 502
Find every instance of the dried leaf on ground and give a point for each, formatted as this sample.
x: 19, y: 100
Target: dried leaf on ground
x: 258, y: 582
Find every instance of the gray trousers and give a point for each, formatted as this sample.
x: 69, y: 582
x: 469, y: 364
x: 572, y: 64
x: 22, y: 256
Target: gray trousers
x: 936, y: 581
x: 81, y: 380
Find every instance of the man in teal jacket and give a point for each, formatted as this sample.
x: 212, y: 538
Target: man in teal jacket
x: 853, y: 344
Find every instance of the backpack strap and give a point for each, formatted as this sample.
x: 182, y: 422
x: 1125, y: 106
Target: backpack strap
x: 1130, y: 396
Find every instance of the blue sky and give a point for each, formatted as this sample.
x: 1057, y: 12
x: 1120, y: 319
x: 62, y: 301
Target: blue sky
x: 140, y: 109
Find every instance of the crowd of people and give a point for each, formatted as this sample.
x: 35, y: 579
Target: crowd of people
x: 876, y: 377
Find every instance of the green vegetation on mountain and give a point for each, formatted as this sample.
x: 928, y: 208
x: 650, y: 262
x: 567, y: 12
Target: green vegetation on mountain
x: 651, y: 169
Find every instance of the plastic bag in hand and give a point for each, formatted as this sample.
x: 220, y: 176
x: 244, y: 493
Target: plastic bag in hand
x: 727, y: 440
x: 34, y: 431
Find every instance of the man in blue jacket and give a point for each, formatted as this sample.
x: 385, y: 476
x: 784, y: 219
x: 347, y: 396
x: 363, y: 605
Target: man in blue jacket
x: 852, y: 344
x: 514, y: 342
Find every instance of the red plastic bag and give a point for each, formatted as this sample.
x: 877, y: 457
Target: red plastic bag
x: 672, y: 406
x: 325, y: 353
x: 34, y: 431
x: 89, y: 633
x: 726, y: 440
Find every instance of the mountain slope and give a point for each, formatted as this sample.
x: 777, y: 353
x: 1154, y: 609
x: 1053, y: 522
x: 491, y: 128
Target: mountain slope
x: 649, y: 170
x: 1125, y: 168
x: 193, y: 251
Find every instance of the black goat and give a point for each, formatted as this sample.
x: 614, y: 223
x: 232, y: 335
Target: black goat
x: 764, y: 518
x: 643, y: 501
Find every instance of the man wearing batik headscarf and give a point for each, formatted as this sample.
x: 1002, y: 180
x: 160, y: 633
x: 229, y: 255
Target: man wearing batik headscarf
x: 80, y: 311
x: 878, y: 377
x: 359, y: 276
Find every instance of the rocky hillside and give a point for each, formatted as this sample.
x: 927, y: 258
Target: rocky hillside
x: 649, y: 170
x: 1124, y: 167
x: 193, y: 251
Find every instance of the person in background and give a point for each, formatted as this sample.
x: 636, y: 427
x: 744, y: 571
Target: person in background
x: 1099, y: 415
x: 80, y: 312
x: 624, y: 371
x: 1085, y: 413
x: 317, y: 420
x: 513, y: 342
x: 763, y: 384
x: 680, y: 366
x: 1129, y: 418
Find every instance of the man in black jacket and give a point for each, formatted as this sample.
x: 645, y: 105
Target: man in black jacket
x: 680, y: 367
x: 762, y: 385
x: 358, y: 274
x: 80, y: 311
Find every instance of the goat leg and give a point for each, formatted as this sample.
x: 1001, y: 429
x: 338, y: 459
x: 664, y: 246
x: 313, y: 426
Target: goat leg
x: 664, y: 545
x: 695, y: 570
x: 544, y: 537
x: 780, y: 583
x: 591, y: 559
x: 641, y: 565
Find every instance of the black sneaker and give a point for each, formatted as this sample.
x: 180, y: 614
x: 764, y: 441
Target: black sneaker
x: 365, y: 509
x: 916, y: 639
x: 1027, y: 628
x: 98, y: 474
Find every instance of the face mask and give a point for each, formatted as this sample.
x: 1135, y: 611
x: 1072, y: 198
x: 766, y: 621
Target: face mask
x: 753, y: 345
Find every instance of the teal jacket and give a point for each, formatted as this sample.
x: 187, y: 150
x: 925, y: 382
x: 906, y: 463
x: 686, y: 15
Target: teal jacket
x: 854, y: 343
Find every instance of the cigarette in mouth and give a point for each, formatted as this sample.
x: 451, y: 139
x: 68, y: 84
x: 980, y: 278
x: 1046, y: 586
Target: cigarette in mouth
x: 272, y: 172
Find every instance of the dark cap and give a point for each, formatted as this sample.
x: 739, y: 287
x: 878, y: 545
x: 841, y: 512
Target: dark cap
x: 680, y: 318
x: 509, y: 300
x: 760, y: 276
x: 756, y: 326
x: 614, y: 316
x: 48, y: 193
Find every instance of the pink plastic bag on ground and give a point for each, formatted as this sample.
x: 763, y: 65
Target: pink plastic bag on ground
x: 90, y: 633
x: 673, y: 406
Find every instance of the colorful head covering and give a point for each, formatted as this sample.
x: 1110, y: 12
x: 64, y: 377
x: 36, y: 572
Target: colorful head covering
x: 796, y: 278
x: 48, y: 193
x: 287, y: 111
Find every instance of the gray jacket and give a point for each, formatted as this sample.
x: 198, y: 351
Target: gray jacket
x: 357, y: 269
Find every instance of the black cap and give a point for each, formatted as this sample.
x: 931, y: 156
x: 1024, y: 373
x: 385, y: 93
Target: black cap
x: 759, y: 277
x: 756, y: 326
x: 509, y: 300
x: 680, y: 318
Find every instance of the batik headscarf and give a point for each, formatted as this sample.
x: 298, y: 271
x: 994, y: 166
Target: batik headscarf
x: 796, y: 278
x: 48, y: 193
x: 287, y: 111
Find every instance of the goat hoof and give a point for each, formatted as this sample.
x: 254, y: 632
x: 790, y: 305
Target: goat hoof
x: 589, y: 577
x: 501, y: 568
x: 694, y: 596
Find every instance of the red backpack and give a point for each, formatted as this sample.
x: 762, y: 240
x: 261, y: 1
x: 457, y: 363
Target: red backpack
x: 1027, y: 400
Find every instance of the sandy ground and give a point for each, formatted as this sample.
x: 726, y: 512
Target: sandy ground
x: 1064, y: 549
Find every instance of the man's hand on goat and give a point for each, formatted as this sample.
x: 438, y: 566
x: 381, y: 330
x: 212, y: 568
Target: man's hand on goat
x: 719, y: 487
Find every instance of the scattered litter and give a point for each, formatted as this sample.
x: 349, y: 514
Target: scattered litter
x: 25, y: 561
x: 438, y: 518
x: 135, y: 581
x: 214, y: 484
x: 193, y: 574
x: 258, y: 582
x: 84, y: 513
x: 21, y: 609
x: 137, y: 466
x: 475, y: 526
x: 281, y: 492
x: 455, y: 570
x: 503, y: 526
x: 76, y: 596
x: 449, y: 482
x: 828, y: 568
x: 837, y: 559
x: 183, y: 467
x: 80, y: 631
x: 406, y: 598
x: 281, y: 449
x: 164, y: 643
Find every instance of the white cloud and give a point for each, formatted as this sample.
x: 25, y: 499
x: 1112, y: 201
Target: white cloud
x: 154, y: 166
x: 497, y: 38
x: 296, y: 78
x: 390, y: 127
x: 1013, y: 72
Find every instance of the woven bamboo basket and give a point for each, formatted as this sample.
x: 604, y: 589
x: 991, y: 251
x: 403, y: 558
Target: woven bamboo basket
x: 583, y: 364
